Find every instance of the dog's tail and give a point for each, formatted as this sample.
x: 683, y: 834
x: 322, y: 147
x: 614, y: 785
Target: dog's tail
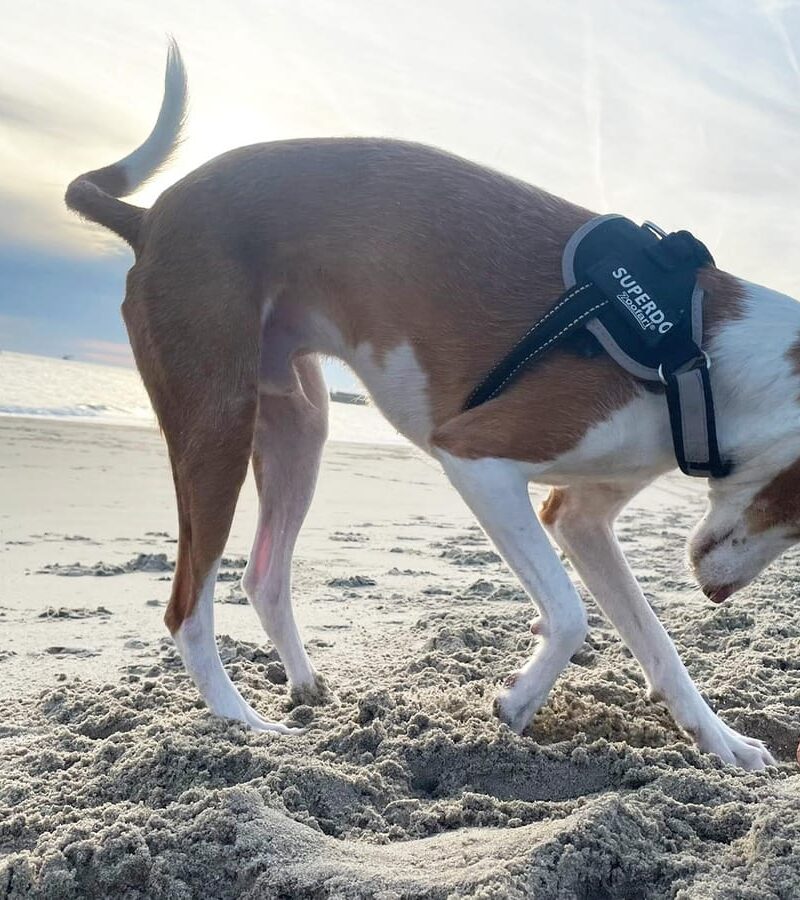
x: 95, y: 194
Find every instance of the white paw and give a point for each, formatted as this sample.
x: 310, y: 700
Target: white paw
x: 515, y: 704
x: 238, y: 710
x: 714, y: 736
x: 256, y: 723
x: 314, y: 692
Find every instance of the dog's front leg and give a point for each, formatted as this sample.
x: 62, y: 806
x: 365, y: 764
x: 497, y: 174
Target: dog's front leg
x: 497, y: 493
x: 581, y: 520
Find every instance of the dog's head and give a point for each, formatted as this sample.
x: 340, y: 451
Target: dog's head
x: 751, y: 519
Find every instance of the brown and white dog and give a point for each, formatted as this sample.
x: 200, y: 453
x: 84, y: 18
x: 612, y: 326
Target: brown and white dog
x: 420, y: 270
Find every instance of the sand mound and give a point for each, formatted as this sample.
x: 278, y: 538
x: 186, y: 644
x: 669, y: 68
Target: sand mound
x: 406, y: 786
x: 144, y: 562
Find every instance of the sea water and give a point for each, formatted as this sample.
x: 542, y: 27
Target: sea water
x: 51, y: 388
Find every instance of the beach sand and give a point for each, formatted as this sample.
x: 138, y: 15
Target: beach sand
x: 116, y: 782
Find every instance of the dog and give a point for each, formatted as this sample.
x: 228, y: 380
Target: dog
x: 419, y: 270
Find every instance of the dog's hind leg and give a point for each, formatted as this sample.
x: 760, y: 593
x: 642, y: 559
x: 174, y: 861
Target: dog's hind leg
x: 496, y: 490
x: 289, y: 437
x: 209, y: 469
x: 200, y: 371
x: 581, y: 519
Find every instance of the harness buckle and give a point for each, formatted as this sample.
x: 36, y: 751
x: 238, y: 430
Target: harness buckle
x: 697, y: 363
x: 655, y: 229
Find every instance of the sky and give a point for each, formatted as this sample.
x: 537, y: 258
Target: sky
x: 685, y: 112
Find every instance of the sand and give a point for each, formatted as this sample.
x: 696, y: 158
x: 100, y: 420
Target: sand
x: 116, y: 782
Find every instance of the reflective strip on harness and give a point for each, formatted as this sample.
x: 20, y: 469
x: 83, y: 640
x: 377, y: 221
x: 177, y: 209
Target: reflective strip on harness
x: 570, y: 313
x: 693, y: 424
x: 635, y: 290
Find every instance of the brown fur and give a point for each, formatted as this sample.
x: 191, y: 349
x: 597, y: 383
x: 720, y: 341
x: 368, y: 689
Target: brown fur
x: 94, y: 196
x: 725, y: 299
x: 200, y: 374
x: 777, y: 503
x: 391, y: 243
x: 548, y: 511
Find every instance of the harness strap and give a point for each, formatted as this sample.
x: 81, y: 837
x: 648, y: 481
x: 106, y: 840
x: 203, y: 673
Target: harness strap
x: 692, y: 420
x: 670, y: 352
x: 571, y: 311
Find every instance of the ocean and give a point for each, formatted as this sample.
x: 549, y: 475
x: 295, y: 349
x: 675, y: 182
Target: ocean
x: 44, y: 387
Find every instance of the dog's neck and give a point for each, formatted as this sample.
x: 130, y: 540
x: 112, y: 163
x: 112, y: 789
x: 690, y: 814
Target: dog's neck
x: 756, y: 382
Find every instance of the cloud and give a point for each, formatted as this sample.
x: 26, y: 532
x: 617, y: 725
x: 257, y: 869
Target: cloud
x: 687, y: 113
x: 14, y: 112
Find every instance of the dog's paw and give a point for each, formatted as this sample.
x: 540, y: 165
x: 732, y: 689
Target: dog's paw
x: 262, y: 726
x: 315, y: 693
x: 512, y: 707
x: 247, y: 716
x: 714, y: 736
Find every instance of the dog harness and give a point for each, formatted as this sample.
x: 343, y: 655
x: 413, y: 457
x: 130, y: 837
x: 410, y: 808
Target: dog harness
x: 634, y: 288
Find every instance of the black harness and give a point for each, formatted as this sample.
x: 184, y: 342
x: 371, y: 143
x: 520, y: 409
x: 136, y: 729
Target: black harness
x: 634, y: 288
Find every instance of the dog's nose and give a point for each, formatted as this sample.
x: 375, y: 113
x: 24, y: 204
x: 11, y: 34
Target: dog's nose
x: 716, y: 593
